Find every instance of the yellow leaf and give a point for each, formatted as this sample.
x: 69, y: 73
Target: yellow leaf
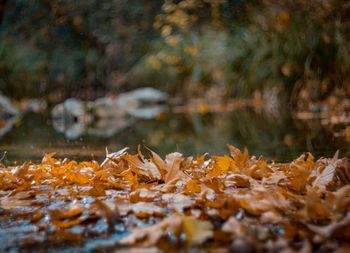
x: 224, y: 162
x: 192, y: 186
x: 197, y: 231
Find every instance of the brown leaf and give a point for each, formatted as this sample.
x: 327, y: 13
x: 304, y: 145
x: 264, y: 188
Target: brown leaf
x: 70, y: 212
x: 112, y: 158
x: 109, y: 212
x: 172, y: 168
x: 145, y: 210
x: 177, y: 201
x: 234, y: 227
x: 173, y: 171
x: 240, y: 159
x: 316, y: 207
x: 159, y: 162
x: 16, y: 201
x: 327, y: 174
x: 150, y: 235
x: 192, y: 186
x: 237, y: 180
x: 342, y: 199
x: 144, y: 167
x: 143, y: 195
x: 224, y: 164
x: 326, y: 231
x: 263, y: 200
x: 63, y: 224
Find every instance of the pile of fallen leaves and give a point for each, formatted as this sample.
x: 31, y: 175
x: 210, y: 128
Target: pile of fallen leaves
x: 229, y: 203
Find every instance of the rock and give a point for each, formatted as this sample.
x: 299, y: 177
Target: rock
x: 106, y: 116
x: 7, y: 110
x: 142, y: 95
x: 8, y: 115
x: 72, y: 110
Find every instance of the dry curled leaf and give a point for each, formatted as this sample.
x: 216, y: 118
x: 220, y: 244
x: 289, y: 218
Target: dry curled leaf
x: 111, y: 160
x: 327, y: 174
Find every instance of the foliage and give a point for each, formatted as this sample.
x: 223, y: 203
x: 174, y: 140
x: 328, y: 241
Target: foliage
x: 191, y: 54
x: 67, y: 48
x: 233, y: 201
x: 299, y: 47
x: 195, y: 47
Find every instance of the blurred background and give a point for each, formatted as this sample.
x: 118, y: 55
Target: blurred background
x: 273, y: 76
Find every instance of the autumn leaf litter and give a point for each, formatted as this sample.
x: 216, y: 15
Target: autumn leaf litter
x: 231, y: 202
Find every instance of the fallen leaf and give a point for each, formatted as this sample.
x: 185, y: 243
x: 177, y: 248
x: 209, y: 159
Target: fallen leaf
x: 150, y: 235
x: 326, y: 231
x: 197, y: 231
x: 110, y: 213
x: 111, y: 158
x: 145, y: 210
x: 327, y: 174
x: 234, y: 227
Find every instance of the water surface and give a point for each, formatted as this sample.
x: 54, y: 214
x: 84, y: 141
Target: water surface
x: 281, y: 138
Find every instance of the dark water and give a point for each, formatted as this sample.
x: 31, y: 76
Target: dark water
x: 277, y: 137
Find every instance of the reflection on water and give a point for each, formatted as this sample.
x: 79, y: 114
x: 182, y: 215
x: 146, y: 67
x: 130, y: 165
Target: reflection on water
x: 107, y: 116
x: 279, y: 138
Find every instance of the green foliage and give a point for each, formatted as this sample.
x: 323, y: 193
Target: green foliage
x: 65, y: 48
x: 293, y: 45
x: 190, y: 47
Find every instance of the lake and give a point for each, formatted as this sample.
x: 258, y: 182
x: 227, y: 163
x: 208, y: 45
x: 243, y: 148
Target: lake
x: 278, y: 137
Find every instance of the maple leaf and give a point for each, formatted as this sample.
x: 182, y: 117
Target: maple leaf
x: 192, y: 186
x: 240, y: 159
x: 172, y: 167
x: 225, y: 163
x: 144, y: 166
x: 112, y: 158
x: 173, y: 172
x: 260, y: 169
